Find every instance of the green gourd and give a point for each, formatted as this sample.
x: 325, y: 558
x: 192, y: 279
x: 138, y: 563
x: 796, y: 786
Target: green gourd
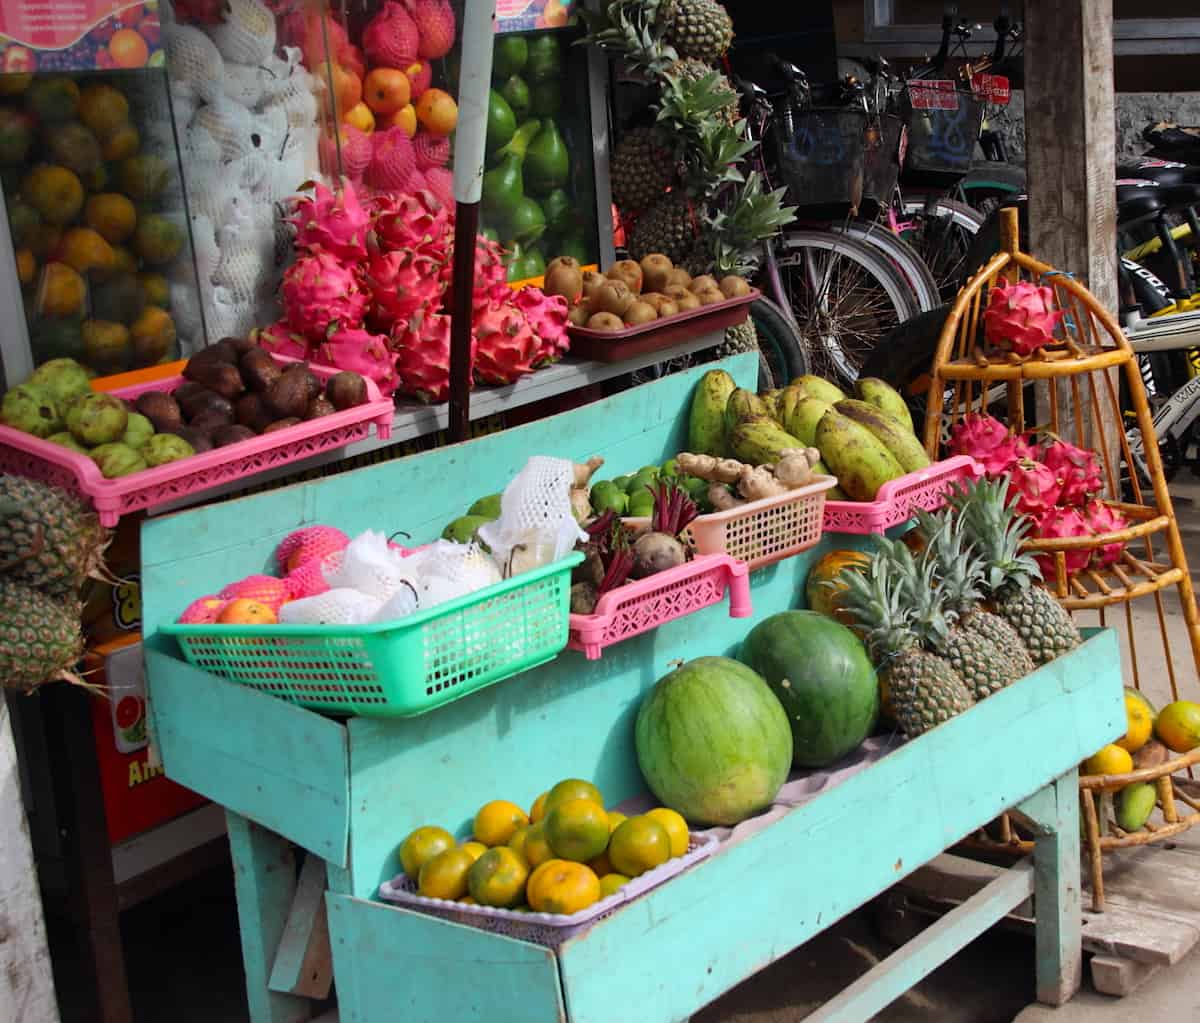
x: 545, y: 59
x: 501, y: 122
x: 526, y: 222
x: 504, y: 184
x: 560, y: 215
x: 547, y: 163
x: 516, y: 92
x: 509, y: 56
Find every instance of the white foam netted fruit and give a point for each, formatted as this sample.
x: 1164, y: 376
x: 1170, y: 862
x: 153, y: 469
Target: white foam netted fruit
x: 449, y: 570
x: 333, y: 607
x: 296, y: 97
x: 195, y: 62
x: 230, y: 125
x: 241, y: 273
x: 247, y: 33
x: 535, y: 511
x: 368, y: 564
x: 244, y: 84
x: 405, y: 602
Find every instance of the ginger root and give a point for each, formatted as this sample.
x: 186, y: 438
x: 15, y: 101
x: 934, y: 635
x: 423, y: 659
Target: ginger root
x: 584, y: 471
x: 707, y: 467
x: 795, y: 466
x: 720, y: 497
x: 756, y: 483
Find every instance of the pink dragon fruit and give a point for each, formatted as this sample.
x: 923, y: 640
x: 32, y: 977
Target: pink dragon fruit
x: 1061, y: 523
x: 390, y: 38
x: 423, y: 349
x: 435, y: 27
x: 508, y: 348
x: 1076, y: 468
x: 318, y: 292
x: 336, y: 223
x: 281, y: 339
x: 431, y: 150
x: 400, y: 283
x: 989, y: 442
x: 1034, y: 486
x: 547, y: 317
x: 1102, y: 518
x: 417, y: 221
x: 490, y: 272
x: 1020, y: 317
x: 358, y: 350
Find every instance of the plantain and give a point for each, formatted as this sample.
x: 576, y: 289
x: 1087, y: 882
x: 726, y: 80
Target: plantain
x: 802, y: 423
x: 857, y: 457
x: 741, y: 405
x: 706, y: 421
x: 819, y: 387
x: 906, y: 449
x: 759, y: 441
x: 886, y: 398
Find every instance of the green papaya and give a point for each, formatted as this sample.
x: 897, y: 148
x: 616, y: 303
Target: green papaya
x: 577, y: 247
x: 516, y: 94
x: 545, y: 60
x: 886, y: 398
x: 501, y: 122
x: 759, y: 441
x: 706, y: 420
x: 547, y: 164
x: 526, y: 222
x: 742, y: 403
x: 819, y: 387
x: 509, y: 55
x: 503, y: 188
x: 906, y: 449
x: 857, y: 457
x: 559, y: 210
x: 1134, y: 805
x: 803, y: 418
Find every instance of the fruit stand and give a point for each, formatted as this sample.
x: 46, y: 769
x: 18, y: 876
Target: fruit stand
x: 346, y: 791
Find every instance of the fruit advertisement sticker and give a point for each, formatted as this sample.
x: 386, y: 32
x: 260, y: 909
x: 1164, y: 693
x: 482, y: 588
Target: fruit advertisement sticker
x: 528, y: 15
x: 78, y: 35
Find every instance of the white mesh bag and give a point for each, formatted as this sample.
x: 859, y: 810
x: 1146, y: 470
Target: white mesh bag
x: 231, y: 126
x: 247, y: 34
x: 369, y: 565
x: 451, y: 570
x: 333, y: 607
x: 195, y: 62
x: 535, y: 514
x: 244, y: 84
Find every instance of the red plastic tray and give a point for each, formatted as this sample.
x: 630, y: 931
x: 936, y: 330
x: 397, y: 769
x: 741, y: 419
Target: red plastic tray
x: 643, y: 605
x: 898, y: 499
x: 22, y: 454
x: 615, y: 345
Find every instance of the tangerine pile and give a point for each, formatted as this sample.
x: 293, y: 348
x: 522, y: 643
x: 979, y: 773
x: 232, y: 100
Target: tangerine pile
x: 565, y: 854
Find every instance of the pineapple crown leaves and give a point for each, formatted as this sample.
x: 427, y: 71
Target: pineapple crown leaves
x: 993, y: 525
x: 750, y: 216
x: 708, y: 147
x: 631, y: 29
x: 877, y: 597
x: 959, y: 567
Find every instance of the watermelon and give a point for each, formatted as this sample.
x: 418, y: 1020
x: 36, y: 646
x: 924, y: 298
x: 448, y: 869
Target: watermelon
x: 713, y: 742
x: 822, y: 675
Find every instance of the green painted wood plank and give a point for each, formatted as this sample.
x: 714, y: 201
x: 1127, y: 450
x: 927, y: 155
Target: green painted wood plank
x: 914, y: 961
x: 391, y: 964
x: 921, y: 797
x: 279, y: 765
x: 264, y: 876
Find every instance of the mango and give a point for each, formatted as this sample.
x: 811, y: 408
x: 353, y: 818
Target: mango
x: 899, y: 441
x: 771, y: 400
x: 819, y: 387
x: 886, y: 398
x: 785, y: 404
x: 857, y: 457
x: 486, y: 507
x: 801, y: 423
x: 463, y: 529
x: 706, y: 420
x: 759, y: 441
x: 1134, y: 805
x: 741, y: 405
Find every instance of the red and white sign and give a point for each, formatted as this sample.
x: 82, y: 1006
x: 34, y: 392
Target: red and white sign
x: 995, y: 89
x: 933, y: 94
x: 53, y: 24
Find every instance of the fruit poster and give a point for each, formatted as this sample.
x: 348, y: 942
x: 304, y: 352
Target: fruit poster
x: 78, y: 35
x: 529, y: 15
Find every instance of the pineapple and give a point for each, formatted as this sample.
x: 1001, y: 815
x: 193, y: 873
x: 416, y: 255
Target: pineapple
x: 701, y: 29
x: 741, y: 337
x: 721, y: 88
x: 996, y: 530
x: 48, y: 538
x: 986, y: 639
x: 923, y: 690
x: 671, y: 226
x: 642, y: 170
x: 42, y: 640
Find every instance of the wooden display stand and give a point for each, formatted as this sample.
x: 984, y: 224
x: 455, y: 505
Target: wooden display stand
x: 347, y: 791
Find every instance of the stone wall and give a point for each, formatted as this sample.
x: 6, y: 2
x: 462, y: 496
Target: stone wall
x: 1134, y: 111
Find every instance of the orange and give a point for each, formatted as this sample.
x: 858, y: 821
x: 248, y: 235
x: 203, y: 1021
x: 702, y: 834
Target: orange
x: 405, y: 117
x: 517, y: 842
x: 347, y: 89
x: 55, y: 192
x: 638, y: 845
x: 359, y: 116
x: 538, y: 810
x: 153, y: 335
x: 498, y: 878
x: 676, y: 827
x: 445, y: 875
x: 476, y: 849
x: 561, y: 886
x: 497, y: 822
x: 437, y: 111
x: 1178, y: 726
x: 536, y: 847
x: 85, y: 250
x: 14, y: 84
x: 610, y: 883
x: 105, y: 346
x: 122, y: 143
x: 572, y: 788
x: 61, y: 291
x: 1110, y: 759
x: 45, y: 240
x: 244, y: 611
x: 615, y: 820
x: 600, y: 865
x: 143, y: 176
x: 124, y: 261
x: 577, y: 829
x: 386, y: 90
x: 154, y: 287
x: 112, y: 215
x: 26, y: 266
x: 1139, y: 721
x: 128, y: 49
x: 156, y: 239
x: 421, y: 846
x: 103, y: 109
x: 466, y: 900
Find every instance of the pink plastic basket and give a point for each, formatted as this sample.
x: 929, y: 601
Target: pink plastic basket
x: 550, y: 929
x: 647, y: 603
x: 898, y: 499
x: 25, y: 455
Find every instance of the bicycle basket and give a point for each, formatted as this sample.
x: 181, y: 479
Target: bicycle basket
x: 943, y: 127
x: 822, y: 163
x: 881, y: 166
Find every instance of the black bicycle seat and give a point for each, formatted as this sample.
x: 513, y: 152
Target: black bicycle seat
x: 1137, y: 200
x: 1165, y: 172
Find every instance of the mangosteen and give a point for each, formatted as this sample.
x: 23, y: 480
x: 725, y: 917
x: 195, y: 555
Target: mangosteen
x: 161, y: 409
x: 345, y: 390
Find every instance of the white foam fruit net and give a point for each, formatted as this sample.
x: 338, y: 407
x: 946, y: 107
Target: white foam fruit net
x: 535, y: 514
x: 340, y: 606
x: 372, y: 567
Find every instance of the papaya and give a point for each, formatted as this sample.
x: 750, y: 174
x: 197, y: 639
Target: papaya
x: 857, y: 457
x: 741, y: 405
x: 907, y: 450
x: 819, y: 387
x: 759, y: 440
x: 886, y: 398
x: 1134, y: 805
x: 706, y: 421
x: 803, y: 418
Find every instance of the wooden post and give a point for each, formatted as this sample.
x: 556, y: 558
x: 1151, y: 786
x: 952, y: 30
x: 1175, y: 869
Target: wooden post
x: 26, y: 982
x: 1071, y: 140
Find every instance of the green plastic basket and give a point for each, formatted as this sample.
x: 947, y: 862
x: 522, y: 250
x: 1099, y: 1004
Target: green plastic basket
x: 398, y: 669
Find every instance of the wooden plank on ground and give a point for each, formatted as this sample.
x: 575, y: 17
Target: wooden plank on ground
x: 304, y: 963
x: 1163, y: 879
x: 1120, y: 977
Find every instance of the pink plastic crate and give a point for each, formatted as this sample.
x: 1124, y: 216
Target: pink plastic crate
x: 643, y: 605
x: 550, y: 929
x: 25, y: 455
x: 898, y: 499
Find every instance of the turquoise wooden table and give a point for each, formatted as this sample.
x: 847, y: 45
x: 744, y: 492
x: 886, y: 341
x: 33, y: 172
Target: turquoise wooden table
x: 348, y: 791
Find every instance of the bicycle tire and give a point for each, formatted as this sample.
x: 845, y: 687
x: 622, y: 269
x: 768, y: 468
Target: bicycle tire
x: 989, y: 182
x: 778, y: 343
x: 906, y: 259
x: 943, y: 238
x: 870, y: 293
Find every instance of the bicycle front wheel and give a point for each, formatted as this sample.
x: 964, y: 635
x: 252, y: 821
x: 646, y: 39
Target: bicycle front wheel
x: 911, y: 263
x: 942, y: 233
x: 845, y: 295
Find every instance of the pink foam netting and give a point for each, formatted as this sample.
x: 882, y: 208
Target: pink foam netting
x: 266, y: 589
x: 308, y: 579
x: 309, y: 543
x: 203, y: 610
